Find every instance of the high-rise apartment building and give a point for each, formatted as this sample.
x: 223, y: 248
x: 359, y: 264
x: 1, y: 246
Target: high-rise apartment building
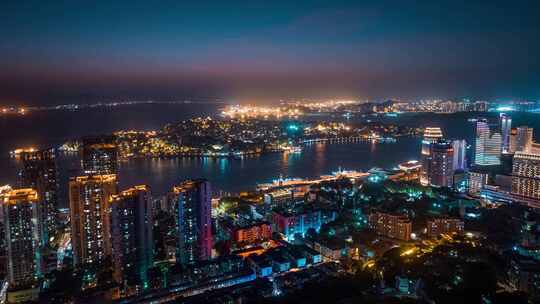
x: 99, y: 155
x: 487, y: 145
x: 506, y: 129
x: 431, y: 136
x: 132, y: 237
x: 20, y: 213
x: 89, y: 203
x: 526, y: 175
x: 441, y: 167
x: 193, y: 221
x: 459, y: 161
x: 3, y: 243
x: 39, y: 173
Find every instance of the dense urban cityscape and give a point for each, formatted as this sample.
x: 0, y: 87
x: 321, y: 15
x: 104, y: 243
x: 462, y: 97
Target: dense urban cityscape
x: 238, y: 152
x: 460, y: 221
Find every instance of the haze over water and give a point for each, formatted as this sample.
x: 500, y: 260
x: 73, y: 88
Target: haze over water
x: 52, y: 128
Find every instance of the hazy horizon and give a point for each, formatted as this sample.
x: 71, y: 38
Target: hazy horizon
x: 59, y: 52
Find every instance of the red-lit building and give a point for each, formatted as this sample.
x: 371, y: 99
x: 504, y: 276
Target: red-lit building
x: 251, y: 234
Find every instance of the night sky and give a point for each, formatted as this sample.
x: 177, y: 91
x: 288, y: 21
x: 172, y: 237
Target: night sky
x: 65, y: 51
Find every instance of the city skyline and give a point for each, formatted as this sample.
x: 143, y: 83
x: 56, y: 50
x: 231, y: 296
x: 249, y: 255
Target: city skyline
x: 120, y: 241
x: 269, y: 152
x: 58, y: 52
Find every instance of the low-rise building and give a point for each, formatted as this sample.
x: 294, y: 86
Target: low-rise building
x: 524, y: 275
x: 438, y: 226
x: 293, y: 221
x: 333, y: 249
x: 396, y: 226
x: 261, y: 264
x: 249, y: 234
x: 477, y: 180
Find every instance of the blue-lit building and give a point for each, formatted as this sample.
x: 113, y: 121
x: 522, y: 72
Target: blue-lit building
x: 506, y: 128
x: 487, y: 145
x: 459, y: 161
x: 298, y: 220
x: 193, y: 209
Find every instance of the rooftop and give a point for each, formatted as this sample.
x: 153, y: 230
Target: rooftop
x: 16, y: 195
x: 94, y: 178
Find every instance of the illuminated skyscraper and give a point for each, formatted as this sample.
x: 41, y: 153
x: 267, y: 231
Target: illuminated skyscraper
x: 441, y: 171
x: 99, y: 155
x: 39, y: 172
x: 487, y: 145
x: 3, y: 242
x: 459, y: 161
x: 132, y: 238
x: 89, y: 203
x: 193, y: 221
x: 506, y: 128
x: 526, y: 175
x: 524, y: 139
x: 431, y: 135
x: 20, y: 212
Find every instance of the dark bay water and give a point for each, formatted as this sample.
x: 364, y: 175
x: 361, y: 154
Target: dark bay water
x: 228, y: 175
x: 234, y: 175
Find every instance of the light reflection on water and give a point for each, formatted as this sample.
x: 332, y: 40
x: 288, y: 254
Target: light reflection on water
x: 239, y: 174
x: 232, y: 175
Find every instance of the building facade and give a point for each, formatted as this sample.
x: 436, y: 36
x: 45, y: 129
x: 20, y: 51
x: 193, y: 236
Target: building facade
x: 487, y: 145
x: 132, y: 236
x: 526, y: 175
x: 290, y: 223
x: 99, y: 155
x: 39, y: 172
x: 441, y: 168
x: 431, y: 136
x: 513, y: 141
x: 459, y: 161
x: 20, y: 213
x: 524, y: 139
x: 438, y: 226
x: 251, y: 234
x: 193, y: 221
x: 506, y: 129
x: 477, y: 181
x: 396, y: 226
x: 89, y: 203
